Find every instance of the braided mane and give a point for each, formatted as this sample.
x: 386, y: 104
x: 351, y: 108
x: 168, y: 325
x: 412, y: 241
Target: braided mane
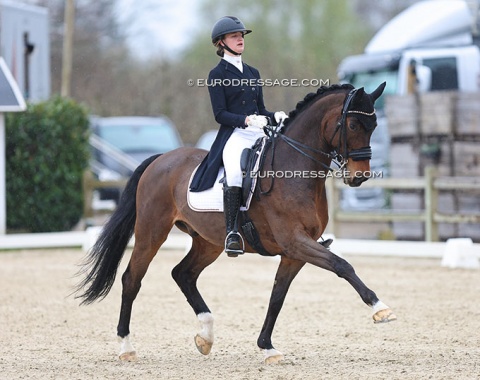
x: 312, y: 97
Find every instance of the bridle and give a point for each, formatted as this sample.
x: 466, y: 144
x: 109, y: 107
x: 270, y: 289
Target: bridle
x: 360, y: 154
x: 337, y: 158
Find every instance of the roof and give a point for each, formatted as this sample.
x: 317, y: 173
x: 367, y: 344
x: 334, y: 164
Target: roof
x: 11, y: 99
x: 426, y: 23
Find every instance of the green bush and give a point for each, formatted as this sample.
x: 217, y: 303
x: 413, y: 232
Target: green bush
x: 47, y: 152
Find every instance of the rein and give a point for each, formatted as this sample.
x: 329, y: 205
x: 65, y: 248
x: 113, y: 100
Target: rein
x: 274, y: 132
x: 361, y: 154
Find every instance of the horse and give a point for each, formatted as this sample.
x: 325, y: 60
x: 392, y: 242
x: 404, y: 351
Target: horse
x: 333, y: 124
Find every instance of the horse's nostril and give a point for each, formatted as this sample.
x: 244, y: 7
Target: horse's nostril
x: 357, y: 181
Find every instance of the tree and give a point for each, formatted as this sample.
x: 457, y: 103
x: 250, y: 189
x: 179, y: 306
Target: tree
x: 291, y: 40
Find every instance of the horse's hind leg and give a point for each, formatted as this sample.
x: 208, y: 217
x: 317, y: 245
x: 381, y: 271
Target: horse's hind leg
x: 185, y: 274
x: 145, y: 249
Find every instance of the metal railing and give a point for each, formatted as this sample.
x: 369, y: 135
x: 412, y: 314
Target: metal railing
x: 113, y: 152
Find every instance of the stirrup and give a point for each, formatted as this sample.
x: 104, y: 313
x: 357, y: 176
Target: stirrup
x: 234, y: 252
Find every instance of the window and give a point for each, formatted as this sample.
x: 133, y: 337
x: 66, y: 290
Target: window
x: 371, y: 80
x: 444, y: 73
x: 149, y: 138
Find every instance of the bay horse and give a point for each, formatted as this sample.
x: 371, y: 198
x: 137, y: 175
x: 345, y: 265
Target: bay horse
x: 333, y: 124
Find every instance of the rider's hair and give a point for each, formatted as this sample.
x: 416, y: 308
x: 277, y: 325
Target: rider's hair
x: 220, y: 49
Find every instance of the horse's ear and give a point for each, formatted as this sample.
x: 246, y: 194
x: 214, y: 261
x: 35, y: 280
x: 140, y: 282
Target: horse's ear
x: 360, y: 92
x: 378, y: 91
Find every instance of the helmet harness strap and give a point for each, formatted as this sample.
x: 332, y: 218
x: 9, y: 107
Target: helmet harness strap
x: 224, y: 45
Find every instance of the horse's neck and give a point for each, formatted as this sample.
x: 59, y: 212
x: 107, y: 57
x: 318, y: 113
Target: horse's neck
x: 309, y: 131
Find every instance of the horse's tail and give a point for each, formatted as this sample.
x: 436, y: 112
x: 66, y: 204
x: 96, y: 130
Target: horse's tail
x: 104, y: 257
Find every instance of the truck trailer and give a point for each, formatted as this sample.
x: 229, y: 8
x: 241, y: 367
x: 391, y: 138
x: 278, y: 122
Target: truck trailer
x: 431, y: 46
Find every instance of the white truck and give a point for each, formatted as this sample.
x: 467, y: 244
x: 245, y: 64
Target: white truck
x: 431, y: 46
x: 25, y: 47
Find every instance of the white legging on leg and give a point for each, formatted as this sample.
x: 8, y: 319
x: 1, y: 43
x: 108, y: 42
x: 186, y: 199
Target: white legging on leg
x: 238, y: 141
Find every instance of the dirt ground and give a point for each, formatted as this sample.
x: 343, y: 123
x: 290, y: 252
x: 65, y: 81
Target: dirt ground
x: 324, y: 329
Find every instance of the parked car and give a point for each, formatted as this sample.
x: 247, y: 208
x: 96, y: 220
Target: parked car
x: 120, y: 144
x: 206, y: 140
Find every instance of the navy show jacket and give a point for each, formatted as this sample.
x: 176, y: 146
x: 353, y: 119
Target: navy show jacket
x: 234, y: 96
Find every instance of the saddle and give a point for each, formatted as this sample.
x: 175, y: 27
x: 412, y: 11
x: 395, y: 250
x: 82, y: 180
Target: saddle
x: 211, y: 200
x: 250, y: 162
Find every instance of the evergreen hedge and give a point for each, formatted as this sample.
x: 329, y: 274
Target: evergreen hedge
x: 47, y: 151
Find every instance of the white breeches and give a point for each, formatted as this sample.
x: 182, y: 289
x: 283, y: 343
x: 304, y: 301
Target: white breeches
x: 238, y: 141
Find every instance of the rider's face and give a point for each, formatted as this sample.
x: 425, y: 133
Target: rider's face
x: 234, y: 41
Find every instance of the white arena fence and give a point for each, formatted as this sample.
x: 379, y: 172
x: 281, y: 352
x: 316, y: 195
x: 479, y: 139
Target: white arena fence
x: 454, y: 253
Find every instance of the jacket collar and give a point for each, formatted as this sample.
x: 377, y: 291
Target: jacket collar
x: 229, y: 67
x: 235, y: 61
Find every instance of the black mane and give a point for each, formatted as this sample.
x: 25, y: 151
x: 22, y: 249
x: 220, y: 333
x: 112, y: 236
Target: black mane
x: 313, y: 96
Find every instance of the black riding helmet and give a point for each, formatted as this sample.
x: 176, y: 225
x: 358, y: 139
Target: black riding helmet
x: 227, y: 24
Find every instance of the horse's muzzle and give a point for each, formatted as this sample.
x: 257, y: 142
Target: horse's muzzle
x: 355, y: 181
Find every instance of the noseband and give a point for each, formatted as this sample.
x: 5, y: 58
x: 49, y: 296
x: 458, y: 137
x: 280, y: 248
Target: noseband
x: 339, y: 159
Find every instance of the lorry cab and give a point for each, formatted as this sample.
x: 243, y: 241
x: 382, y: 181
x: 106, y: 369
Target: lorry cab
x: 430, y: 44
x: 434, y: 69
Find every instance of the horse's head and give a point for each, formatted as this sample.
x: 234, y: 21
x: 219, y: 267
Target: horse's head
x: 351, y: 135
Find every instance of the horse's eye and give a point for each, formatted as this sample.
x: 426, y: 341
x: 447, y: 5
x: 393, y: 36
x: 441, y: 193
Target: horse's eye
x: 353, y: 127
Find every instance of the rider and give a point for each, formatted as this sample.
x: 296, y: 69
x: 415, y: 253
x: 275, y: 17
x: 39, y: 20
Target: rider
x: 237, y: 103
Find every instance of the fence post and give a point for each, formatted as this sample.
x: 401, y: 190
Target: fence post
x: 431, y: 199
x: 87, y: 194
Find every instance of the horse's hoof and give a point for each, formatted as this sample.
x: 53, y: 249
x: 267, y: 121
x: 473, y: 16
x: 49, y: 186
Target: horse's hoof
x: 203, y: 346
x: 128, y: 356
x: 272, y: 356
x: 384, y: 316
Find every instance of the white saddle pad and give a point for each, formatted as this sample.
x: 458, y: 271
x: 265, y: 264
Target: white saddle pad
x: 211, y: 200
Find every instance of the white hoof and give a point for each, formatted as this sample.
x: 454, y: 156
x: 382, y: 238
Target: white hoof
x: 204, y: 339
x: 127, y: 352
x: 382, y: 313
x: 203, y: 346
x: 128, y: 356
x: 272, y: 356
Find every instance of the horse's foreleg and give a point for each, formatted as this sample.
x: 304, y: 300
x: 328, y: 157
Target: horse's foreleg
x: 343, y: 269
x: 310, y: 251
x: 286, y: 272
x: 185, y: 274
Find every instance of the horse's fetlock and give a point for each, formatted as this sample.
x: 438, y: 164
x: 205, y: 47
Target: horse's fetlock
x: 265, y: 343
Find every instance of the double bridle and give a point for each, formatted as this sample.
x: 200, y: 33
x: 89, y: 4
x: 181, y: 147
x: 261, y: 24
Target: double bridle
x: 340, y: 159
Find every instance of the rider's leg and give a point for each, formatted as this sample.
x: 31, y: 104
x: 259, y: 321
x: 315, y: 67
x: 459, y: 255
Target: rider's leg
x: 232, y: 197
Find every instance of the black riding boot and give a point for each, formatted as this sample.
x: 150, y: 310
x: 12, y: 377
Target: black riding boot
x: 232, y: 197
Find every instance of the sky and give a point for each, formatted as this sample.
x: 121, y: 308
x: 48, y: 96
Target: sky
x: 158, y: 26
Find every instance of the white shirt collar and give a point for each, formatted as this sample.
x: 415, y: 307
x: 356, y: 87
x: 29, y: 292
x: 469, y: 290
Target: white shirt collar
x: 234, y: 60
